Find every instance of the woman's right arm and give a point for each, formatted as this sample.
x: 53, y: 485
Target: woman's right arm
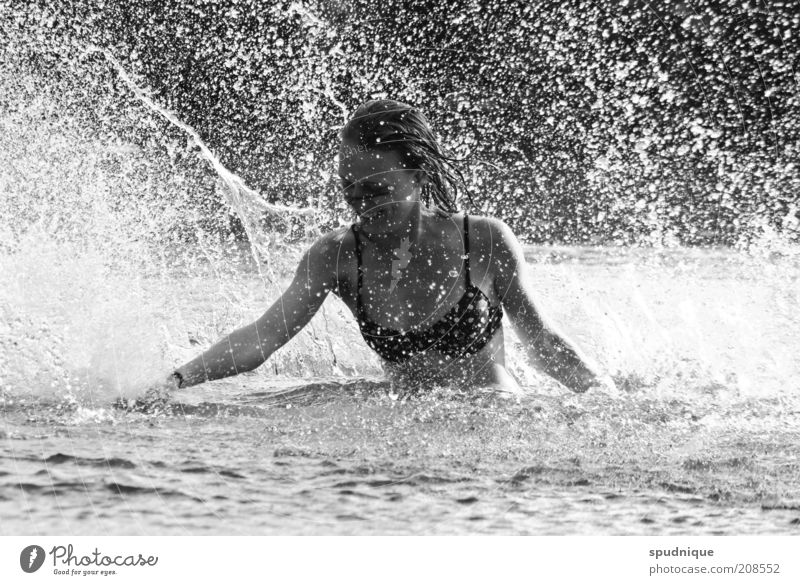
x: 248, y: 347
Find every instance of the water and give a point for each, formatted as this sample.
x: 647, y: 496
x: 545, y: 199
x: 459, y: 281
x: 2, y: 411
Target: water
x: 126, y: 247
x: 703, y: 439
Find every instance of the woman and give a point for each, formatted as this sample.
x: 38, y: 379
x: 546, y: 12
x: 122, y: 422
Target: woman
x: 428, y: 285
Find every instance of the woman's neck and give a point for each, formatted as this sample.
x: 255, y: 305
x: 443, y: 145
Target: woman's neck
x: 409, y: 229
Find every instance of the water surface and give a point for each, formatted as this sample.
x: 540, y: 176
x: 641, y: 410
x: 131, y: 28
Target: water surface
x: 703, y: 438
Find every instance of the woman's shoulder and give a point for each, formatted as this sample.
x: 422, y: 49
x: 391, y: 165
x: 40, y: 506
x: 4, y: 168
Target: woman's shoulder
x: 329, y: 247
x: 489, y: 230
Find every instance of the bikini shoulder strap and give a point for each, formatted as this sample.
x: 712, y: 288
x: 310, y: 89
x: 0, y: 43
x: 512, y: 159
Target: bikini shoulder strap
x: 360, y: 279
x: 466, y: 250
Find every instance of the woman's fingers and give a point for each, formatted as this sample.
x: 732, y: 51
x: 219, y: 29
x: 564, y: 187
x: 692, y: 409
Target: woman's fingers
x: 587, y: 380
x: 606, y: 385
x: 155, y: 398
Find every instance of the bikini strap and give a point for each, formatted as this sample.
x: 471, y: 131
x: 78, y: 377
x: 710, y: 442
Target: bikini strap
x: 466, y: 251
x: 360, y: 281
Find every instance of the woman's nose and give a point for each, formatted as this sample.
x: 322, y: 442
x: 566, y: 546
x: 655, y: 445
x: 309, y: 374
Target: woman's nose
x: 362, y: 192
x: 357, y: 196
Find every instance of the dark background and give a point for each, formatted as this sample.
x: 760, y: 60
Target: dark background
x: 584, y: 121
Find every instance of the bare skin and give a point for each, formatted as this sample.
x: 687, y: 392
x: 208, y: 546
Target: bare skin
x: 386, y: 196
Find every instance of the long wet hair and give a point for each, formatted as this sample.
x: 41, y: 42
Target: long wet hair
x: 392, y: 125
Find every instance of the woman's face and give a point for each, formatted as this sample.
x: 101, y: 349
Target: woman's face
x: 382, y: 191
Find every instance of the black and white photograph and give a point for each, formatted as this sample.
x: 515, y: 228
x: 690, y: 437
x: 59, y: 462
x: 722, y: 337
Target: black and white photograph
x: 399, y: 268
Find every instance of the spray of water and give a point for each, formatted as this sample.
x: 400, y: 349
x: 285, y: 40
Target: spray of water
x: 247, y: 202
x: 90, y: 249
x: 114, y: 268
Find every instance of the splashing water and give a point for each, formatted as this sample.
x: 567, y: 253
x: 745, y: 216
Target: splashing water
x: 127, y: 246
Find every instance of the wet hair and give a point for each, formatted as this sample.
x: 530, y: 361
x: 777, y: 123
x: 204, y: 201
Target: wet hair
x: 395, y: 126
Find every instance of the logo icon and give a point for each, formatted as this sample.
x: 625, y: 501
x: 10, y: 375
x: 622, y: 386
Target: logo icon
x: 31, y: 558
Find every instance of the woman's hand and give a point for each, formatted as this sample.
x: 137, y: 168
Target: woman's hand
x: 164, y: 387
x: 588, y: 380
x: 155, y: 398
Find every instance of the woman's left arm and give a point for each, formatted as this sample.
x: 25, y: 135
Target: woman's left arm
x: 546, y: 348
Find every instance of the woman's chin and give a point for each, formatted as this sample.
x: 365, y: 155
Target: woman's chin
x: 376, y: 225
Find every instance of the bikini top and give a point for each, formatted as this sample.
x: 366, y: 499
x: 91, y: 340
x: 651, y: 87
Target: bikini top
x: 463, y: 331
